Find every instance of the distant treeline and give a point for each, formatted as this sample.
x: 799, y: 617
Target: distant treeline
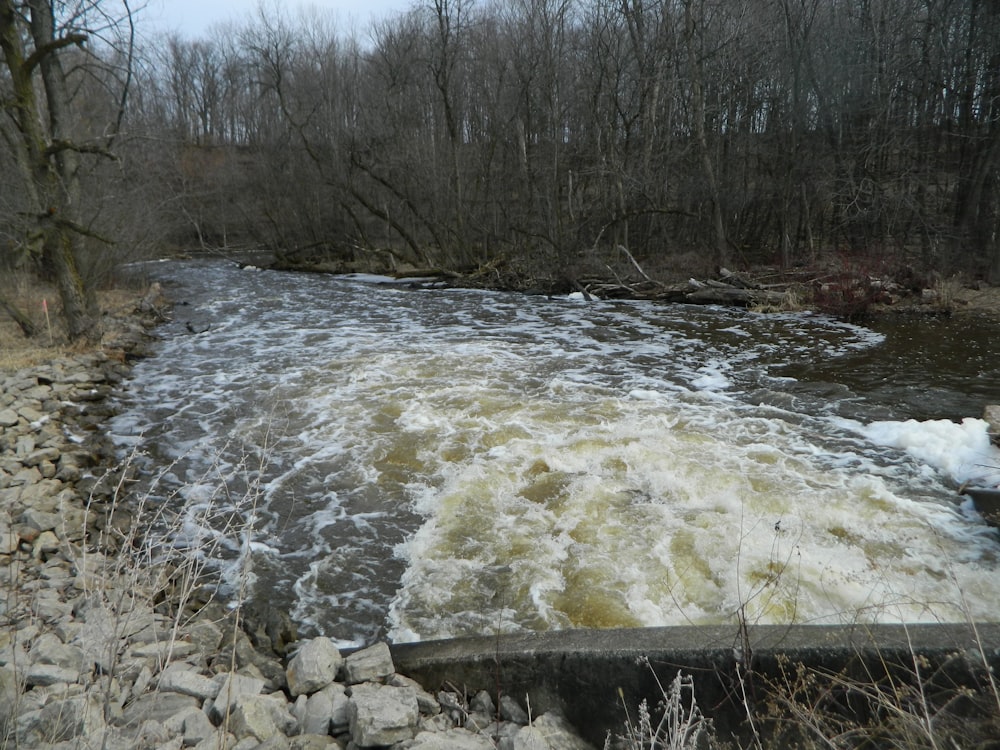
x: 528, y: 133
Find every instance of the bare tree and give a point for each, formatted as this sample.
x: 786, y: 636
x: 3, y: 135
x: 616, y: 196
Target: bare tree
x: 40, y: 128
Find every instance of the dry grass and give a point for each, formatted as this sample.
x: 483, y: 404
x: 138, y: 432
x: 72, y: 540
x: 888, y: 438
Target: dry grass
x: 18, y: 351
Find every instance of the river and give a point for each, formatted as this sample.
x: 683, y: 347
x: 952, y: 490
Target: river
x: 383, y: 461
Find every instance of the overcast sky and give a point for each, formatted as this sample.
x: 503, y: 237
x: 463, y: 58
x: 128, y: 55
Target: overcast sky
x: 192, y: 18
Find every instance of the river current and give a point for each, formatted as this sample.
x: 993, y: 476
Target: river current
x: 382, y: 461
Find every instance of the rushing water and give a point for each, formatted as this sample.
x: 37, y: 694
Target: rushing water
x: 430, y: 463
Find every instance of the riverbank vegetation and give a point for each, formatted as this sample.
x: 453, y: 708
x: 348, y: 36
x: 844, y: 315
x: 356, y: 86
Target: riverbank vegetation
x: 528, y: 143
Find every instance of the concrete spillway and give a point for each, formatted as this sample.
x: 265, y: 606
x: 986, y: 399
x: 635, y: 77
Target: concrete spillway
x: 580, y: 672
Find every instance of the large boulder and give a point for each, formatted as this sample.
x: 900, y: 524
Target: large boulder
x: 369, y: 664
x: 382, y: 715
x: 314, y: 667
x: 262, y: 717
x: 231, y: 687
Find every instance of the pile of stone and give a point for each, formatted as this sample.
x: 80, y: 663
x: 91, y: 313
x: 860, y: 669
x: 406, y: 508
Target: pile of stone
x: 96, y: 651
x: 161, y: 694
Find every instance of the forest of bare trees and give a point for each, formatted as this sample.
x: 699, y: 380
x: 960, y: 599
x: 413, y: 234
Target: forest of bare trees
x: 521, y: 135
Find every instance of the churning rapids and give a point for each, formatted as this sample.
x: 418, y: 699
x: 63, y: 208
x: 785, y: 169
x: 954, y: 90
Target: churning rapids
x: 390, y: 462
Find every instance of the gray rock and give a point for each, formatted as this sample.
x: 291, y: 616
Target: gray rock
x: 503, y: 729
x: 37, y: 457
x: 41, y: 520
x: 340, y: 717
x: 441, y: 722
x: 453, y: 739
x: 528, y: 738
x: 231, y: 687
x: 482, y: 703
x: 30, y: 414
x: 164, y: 650
x: 260, y: 716
x: 314, y: 667
x: 181, y: 678
x: 313, y: 713
x: 511, y: 710
x: 197, y: 728
x: 252, y: 661
x: 218, y: 741
x: 61, y: 720
x: 382, y: 715
x: 9, y: 540
x: 206, y: 635
x: 49, y: 674
x: 368, y: 664
x: 23, y: 446
x: 150, y: 734
x: 312, y: 742
x: 324, y: 712
x: 25, y: 477
x: 49, y: 649
x: 477, y: 721
x: 550, y: 731
x: 428, y: 703
x: 46, y: 544
x: 8, y: 698
x: 8, y: 418
x: 277, y: 742
x: 156, y: 706
x: 50, y: 607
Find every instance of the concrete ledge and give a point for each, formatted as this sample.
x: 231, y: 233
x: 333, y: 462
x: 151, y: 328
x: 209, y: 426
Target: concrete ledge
x: 580, y: 672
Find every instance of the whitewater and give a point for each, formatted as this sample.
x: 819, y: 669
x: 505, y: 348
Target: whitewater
x: 419, y: 463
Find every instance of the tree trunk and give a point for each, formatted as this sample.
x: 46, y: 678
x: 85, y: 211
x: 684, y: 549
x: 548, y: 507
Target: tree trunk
x: 28, y: 328
x: 698, y: 114
x: 47, y: 159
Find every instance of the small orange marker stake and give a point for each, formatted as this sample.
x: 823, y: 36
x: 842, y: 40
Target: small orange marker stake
x: 45, y: 307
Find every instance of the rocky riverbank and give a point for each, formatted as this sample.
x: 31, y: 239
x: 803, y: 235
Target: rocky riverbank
x: 98, y: 651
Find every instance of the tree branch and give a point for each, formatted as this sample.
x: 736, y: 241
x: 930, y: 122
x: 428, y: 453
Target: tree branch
x: 33, y: 60
x: 60, y: 145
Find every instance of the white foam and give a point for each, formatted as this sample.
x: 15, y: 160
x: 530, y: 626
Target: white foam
x: 962, y: 450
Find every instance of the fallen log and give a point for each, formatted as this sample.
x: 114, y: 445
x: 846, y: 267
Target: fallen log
x: 727, y: 295
x: 739, y: 282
